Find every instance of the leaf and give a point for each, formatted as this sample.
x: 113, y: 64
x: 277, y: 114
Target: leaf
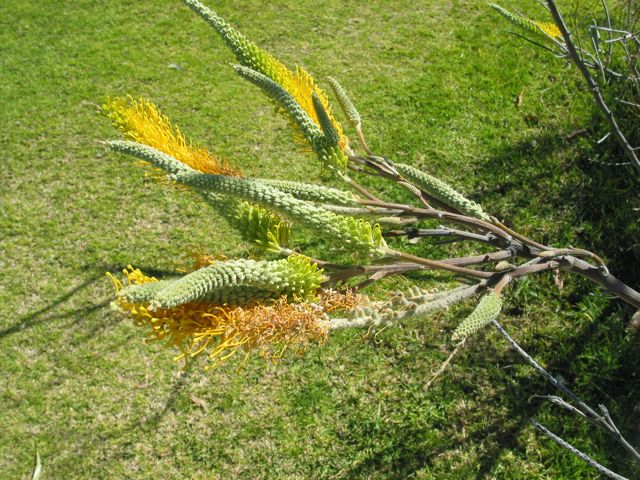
x: 37, y: 470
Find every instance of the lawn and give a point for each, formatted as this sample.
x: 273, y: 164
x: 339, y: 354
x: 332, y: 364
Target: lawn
x: 439, y: 85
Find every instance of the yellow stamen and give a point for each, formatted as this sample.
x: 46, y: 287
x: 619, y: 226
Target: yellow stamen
x: 142, y: 122
x: 550, y: 29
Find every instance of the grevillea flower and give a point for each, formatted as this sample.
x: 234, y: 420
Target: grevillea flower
x: 546, y: 29
x: 233, y: 281
x: 324, y: 140
x: 222, y: 330
x: 141, y: 121
x: 549, y: 28
x: 299, y: 83
x: 261, y: 227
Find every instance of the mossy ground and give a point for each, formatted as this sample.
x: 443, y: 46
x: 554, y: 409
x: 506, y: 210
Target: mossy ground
x: 437, y: 84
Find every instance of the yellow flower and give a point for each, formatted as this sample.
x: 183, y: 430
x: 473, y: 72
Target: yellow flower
x: 224, y: 330
x: 299, y: 83
x: 142, y: 122
x: 549, y: 28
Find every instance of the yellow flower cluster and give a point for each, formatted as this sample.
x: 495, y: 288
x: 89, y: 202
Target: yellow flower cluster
x: 224, y: 330
x: 142, y: 122
x: 549, y: 28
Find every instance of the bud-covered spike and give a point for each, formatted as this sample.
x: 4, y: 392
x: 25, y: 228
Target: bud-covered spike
x: 487, y: 310
x: 331, y: 136
x: 284, y: 100
x: 261, y: 226
x: 347, y: 106
x: 294, y: 276
x: 312, y: 192
x: 355, y: 234
x: 144, y: 292
x: 298, y: 83
x: 255, y: 224
x: 545, y: 29
x: 239, y: 295
x: 245, y: 51
x: 150, y: 155
x: 441, y: 191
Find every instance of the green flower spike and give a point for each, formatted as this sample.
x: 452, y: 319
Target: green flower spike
x: 545, y: 29
x: 256, y: 224
x: 441, y: 191
x: 294, y: 276
x: 285, y: 100
x: 150, y: 155
x: 487, y: 310
x: 312, y: 192
x: 347, y: 106
x: 328, y: 147
x: 355, y: 234
x: 298, y: 83
x: 246, y: 52
x: 330, y: 133
x: 239, y: 295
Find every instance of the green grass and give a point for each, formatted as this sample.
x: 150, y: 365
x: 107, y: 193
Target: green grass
x: 436, y: 83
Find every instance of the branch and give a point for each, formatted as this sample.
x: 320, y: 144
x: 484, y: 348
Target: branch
x: 442, y: 215
x: 437, y: 264
x: 564, y: 444
x: 602, y: 278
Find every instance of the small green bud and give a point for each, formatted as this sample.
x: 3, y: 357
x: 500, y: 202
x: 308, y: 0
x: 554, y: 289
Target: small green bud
x: 345, y: 103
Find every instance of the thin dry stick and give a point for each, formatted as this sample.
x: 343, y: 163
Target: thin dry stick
x: 445, y: 364
x: 564, y: 444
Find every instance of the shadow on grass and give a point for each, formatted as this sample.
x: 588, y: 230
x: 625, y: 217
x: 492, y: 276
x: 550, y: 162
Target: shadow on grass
x: 601, y: 200
x: 551, y: 180
x: 116, y: 445
x: 409, y: 449
x: 617, y: 386
x: 45, y: 314
x: 60, y: 312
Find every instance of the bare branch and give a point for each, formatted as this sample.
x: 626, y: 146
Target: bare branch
x: 564, y: 444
